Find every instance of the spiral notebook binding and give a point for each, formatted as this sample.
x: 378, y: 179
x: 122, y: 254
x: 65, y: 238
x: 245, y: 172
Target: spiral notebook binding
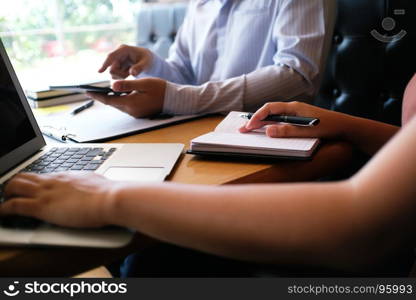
x: 59, y: 134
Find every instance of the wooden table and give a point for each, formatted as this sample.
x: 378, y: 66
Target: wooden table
x: 330, y: 158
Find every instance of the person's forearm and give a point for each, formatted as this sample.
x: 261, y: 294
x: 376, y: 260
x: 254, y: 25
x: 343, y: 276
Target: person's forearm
x: 367, y: 135
x: 309, y: 223
x: 246, y: 92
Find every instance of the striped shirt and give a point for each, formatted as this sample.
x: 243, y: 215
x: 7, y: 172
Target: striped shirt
x: 239, y: 54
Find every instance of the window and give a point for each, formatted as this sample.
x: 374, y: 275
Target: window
x: 56, y: 41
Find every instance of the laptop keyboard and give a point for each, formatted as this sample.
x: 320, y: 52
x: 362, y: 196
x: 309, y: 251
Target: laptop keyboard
x: 70, y: 159
x: 57, y: 160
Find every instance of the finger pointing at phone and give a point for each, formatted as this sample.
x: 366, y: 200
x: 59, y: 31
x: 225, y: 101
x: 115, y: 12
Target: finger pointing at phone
x: 127, y: 60
x: 142, y: 98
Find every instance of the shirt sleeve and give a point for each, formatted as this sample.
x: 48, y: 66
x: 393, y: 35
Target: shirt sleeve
x: 294, y: 74
x: 177, y: 67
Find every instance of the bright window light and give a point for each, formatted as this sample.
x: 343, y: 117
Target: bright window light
x: 56, y: 41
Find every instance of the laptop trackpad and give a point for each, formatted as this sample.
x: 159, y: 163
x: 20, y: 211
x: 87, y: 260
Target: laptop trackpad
x: 138, y: 174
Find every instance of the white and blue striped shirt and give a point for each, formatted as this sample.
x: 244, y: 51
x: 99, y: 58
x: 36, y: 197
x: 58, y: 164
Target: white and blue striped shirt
x: 239, y: 54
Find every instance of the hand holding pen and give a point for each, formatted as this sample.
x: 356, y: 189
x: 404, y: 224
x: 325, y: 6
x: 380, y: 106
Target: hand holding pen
x: 296, y: 119
x: 293, y: 120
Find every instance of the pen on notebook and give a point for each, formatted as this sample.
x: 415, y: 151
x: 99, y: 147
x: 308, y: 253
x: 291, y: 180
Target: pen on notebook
x: 82, y: 107
x: 294, y: 120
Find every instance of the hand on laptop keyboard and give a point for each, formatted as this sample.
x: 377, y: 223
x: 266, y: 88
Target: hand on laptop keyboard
x: 56, y: 160
x: 16, y: 222
x: 57, y: 198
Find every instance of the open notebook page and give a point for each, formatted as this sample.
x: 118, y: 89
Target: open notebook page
x: 233, y: 122
x: 226, y: 135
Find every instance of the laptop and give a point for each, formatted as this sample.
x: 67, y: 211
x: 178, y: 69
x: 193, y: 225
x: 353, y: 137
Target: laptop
x: 23, y: 149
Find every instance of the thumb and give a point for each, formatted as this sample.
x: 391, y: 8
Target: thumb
x: 128, y: 85
x: 289, y: 131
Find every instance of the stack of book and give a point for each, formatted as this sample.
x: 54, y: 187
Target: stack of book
x: 44, y: 97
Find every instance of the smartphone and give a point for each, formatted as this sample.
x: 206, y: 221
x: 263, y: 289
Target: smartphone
x: 85, y: 88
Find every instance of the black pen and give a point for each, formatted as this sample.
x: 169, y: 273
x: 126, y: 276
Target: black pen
x: 294, y: 120
x: 82, y: 107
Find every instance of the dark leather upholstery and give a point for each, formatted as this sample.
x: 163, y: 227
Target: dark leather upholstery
x: 364, y: 76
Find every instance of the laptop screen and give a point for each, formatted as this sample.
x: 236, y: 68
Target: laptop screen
x: 19, y: 134
x: 15, y: 127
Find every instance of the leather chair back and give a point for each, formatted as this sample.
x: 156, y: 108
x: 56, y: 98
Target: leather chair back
x: 373, y: 57
x: 157, y: 25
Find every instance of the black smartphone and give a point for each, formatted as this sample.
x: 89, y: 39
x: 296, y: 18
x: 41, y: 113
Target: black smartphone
x: 85, y: 88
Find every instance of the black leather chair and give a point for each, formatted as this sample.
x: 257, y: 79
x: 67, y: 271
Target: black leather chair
x: 366, y: 76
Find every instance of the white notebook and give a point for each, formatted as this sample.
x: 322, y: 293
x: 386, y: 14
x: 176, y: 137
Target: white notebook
x: 226, y: 139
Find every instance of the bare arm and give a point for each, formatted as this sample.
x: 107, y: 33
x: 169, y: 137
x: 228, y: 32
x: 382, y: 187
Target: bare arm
x: 263, y: 223
x: 367, y: 135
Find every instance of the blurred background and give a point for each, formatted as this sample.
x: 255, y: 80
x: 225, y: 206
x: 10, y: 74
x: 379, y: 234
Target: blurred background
x: 65, y: 40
